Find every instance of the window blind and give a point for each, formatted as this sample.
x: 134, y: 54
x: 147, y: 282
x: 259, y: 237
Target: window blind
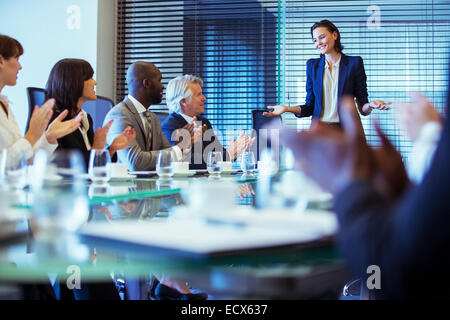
x: 251, y: 53
x: 402, y: 45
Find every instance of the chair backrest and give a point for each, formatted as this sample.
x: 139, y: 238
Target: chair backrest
x: 36, y: 96
x: 98, y: 110
x: 259, y: 121
x: 162, y: 115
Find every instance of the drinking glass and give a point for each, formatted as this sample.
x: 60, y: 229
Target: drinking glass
x: 60, y: 206
x: 248, y: 163
x: 99, y: 163
x: 164, y: 164
x: 15, y: 169
x: 213, y: 163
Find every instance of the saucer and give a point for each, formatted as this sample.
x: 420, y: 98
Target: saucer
x: 123, y: 178
x: 185, y: 174
x: 232, y: 171
x: 112, y: 179
x: 53, y: 178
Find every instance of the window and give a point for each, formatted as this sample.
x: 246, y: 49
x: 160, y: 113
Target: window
x: 252, y: 53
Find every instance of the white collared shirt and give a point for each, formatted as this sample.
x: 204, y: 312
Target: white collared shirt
x: 84, y: 129
x: 330, y: 92
x: 12, y: 138
x: 141, y: 109
x: 186, y: 117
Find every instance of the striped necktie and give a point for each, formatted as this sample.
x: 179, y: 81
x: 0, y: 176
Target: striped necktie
x: 148, y: 127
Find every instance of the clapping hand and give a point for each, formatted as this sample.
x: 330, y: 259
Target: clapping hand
x: 240, y: 145
x: 198, y: 131
x: 100, y: 136
x: 59, y: 128
x: 39, y: 121
x: 185, y: 136
x: 413, y: 116
x: 123, y: 140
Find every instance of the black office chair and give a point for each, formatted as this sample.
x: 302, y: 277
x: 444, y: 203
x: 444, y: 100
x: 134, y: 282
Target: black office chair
x: 259, y: 122
x: 162, y: 115
x: 36, y: 96
x: 98, y: 109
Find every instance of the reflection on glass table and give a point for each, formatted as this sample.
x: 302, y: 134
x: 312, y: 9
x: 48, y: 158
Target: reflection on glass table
x: 140, y: 201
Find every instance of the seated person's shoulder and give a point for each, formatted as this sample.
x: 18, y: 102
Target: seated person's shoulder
x: 118, y: 111
x: 171, y: 121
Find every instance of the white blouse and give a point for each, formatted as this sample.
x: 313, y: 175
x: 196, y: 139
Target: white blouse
x: 12, y: 138
x: 84, y: 129
x: 330, y: 92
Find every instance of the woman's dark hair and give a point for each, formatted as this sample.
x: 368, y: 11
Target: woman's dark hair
x: 10, y: 47
x: 66, y: 82
x: 332, y: 28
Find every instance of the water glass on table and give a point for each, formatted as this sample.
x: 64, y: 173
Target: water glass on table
x: 14, y: 168
x: 213, y: 163
x: 164, y: 164
x: 248, y: 162
x: 60, y: 205
x: 99, y: 163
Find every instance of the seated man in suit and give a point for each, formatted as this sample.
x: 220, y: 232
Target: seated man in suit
x: 186, y: 103
x: 145, y: 88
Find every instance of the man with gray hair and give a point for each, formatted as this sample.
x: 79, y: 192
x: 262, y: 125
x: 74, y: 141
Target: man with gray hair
x: 145, y: 88
x: 186, y: 102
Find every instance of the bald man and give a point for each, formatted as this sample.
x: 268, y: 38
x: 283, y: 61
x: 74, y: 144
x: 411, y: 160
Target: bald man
x: 145, y: 88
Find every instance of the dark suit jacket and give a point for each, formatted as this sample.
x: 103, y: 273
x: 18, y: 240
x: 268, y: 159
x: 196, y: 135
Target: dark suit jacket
x: 408, y: 239
x: 352, y: 81
x: 75, y: 141
x: 210, y: 142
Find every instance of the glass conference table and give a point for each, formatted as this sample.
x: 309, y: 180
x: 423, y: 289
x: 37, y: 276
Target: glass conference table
x: 298, y: 271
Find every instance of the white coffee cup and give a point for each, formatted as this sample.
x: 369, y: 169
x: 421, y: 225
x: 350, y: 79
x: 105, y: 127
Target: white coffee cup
x: 265, y: 167
x: 226, y: 166
x: 118, y: 170
x: 210, y: 197
x: 180, y: 167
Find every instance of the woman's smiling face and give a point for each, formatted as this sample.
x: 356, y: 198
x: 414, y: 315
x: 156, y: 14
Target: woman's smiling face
x: 324, y: 40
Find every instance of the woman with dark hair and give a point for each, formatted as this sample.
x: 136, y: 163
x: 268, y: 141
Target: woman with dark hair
x: 40, y: 134
x: 71, y: 83
x: 330, y: 77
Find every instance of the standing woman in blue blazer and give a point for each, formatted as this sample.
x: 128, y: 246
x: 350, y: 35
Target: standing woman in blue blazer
x: 330, y: 77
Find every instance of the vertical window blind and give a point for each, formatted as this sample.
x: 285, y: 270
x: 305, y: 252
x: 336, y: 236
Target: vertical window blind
x: 252, y: 54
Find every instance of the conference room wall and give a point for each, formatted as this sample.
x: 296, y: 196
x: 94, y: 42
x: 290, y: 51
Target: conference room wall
x: 50, y: 30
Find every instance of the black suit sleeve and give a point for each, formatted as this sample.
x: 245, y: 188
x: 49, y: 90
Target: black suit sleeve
x: 361, y: 94
x: 408, y: 239
x: 308, y: 107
